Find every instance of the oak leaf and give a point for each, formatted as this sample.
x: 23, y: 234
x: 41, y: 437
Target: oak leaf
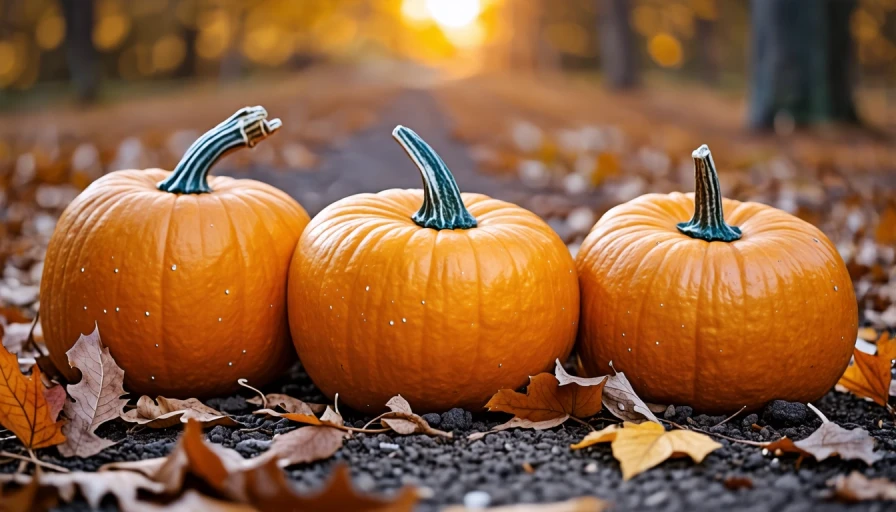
x: 856, y: 487
x: 167, y: 412
x: 96, y: 397
x: 402, y: 420
x: 582, y: 504
x: 830, y: 439
x: 641, y: 446
x: 618, y: 395
x: 869, y: 376
x: 23, y: 406
x: 285, y: 403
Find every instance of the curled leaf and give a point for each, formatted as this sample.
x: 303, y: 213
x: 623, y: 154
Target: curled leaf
x: 286, y: 403
x: 618, y: 395
x: 167, y: 412
x: 402, y: 420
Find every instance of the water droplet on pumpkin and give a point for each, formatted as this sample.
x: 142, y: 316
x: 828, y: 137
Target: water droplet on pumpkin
x: 836, y: 289
x: 230, y: 363
x: 404, y: 320
x: 173, y: 267
x: 623, y: 335
x: 366, y: 288
x: 661, y: 304
x: 153, y: 377
x: 331, y: 307
x: 82, y: 269
x: 219, y: 318
x: 657, y: 343
x: 500, y: 365
x: 423, y: 302
x: 226, y: 292
x: 147, y: 313
x: 104, y: 311
x: 629, y: 349
x: 682, y: 326
x: 244, y: 351
x: 116, y: 310
x: 157, y: 345
x: 272, y: 305
x: 391, y: 322
x: 116, y: 270
x: 85, y: 308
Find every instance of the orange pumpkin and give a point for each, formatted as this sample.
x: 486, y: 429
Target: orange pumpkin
x: 444, y: 306
x: 184, y: 274
x: 712, y: 314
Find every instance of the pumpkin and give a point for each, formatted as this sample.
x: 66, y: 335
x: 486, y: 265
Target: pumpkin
x: 441, y: 297
x: 713, y: 314
x: 184, y: 274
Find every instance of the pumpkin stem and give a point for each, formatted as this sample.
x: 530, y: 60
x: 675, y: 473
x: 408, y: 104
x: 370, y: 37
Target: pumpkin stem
x: 245, y: 128
x: 708, y: 222
x: 443, y: 207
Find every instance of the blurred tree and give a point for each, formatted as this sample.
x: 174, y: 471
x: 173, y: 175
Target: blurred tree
x: 82, y: 57
x: 618, y: 57
x: 802, y: 63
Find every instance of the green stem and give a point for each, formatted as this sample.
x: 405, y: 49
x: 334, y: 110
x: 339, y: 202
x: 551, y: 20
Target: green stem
x: 708, y: 222
x: 443, y: 207
x: 245, y: 128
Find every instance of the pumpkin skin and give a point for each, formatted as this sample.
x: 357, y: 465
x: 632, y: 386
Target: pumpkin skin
x: 445, y: 317
x: 717, y: 325
x: 188, y: 289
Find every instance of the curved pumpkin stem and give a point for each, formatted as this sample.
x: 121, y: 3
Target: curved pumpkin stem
x: 708, y: 222
x: 443, y: 207
x: 245, y: 128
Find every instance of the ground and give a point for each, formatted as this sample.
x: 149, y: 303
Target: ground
x: 496, y: 142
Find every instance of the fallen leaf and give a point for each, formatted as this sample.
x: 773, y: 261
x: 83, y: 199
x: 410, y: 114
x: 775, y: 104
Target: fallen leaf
x: 583, y: 504
x: 639, y: 447
x: 26, y: 498
x: 734, y: 483
x: 618, y: 395
x: 546, y: 399
x: 96, y: 397
x: 270, y: 490
x: 329, y: 418
x: 55, y: 396
x: 403, y: 421
x: 521, y: 423
x: 830, y: 439
x: 23, y: 407
x: 869, y: 376
x: 857, y: 487
x: 606, y: 435
x: 167, y: 412
x: 306, y: 444
x: 92, y: 486
x: 287, y: 404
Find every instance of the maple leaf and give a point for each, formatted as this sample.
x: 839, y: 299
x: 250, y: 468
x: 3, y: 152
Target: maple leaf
x: 869, y: 376
x: 641, y: 446
x: 856, y: 487
x: 23, y: 407
x: 618, y: 395
x: 582, y: 504
x: 92, y: 486
x: 96, y: 397
x: 402, y: 420
x: 167, y: 412
x: 546, y: 399
x: 286, y: 403
x: 830, y: 439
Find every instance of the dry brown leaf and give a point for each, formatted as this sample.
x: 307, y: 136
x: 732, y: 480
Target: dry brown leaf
x: 605, y: 435
x: 26, y: 498
x: 869, y: 376
x: 167, y: 412
x: 546, y: 399
x: 93, y: 487
x: 583, y: 504
x: 830, y: 439
x: 521, y: 423
x: 306, y: 444
x: 270, y: 490
x: 857, y: 487
x: 329, y: 418
x: 618, y: 396
x: 402, y: 420
x: 96, y: 397
x: 287, y: 404
x: 639, y: 447
x: 23, y: 407
x: 55, y: 396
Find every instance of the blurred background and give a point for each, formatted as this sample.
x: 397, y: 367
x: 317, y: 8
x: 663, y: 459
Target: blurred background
x: 567, y: 107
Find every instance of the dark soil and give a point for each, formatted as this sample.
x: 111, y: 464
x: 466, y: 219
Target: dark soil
x: 517, y: 466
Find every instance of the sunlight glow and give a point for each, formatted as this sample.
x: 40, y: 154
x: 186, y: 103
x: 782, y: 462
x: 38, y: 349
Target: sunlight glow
x: 454, y: 13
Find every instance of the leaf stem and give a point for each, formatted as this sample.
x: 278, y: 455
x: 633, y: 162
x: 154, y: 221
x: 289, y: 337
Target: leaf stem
x: 824, y: 419
x: 695, y: 429
x: 729, y: 418
x: 264, y: 399
x: 35, y: 460
x: 577, y: 420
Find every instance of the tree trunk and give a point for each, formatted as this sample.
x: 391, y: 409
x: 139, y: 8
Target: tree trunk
x: 82, y: 57
x: 707, y: 50
x: 617, y: 44
x: 802, y: 62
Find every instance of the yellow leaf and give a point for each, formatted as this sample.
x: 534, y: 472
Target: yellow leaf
x: 23, y: 406
x: 606, y: 435
x: 639, y: 447
x: 870, y: 376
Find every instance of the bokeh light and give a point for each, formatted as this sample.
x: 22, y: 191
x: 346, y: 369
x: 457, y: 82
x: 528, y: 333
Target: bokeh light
x: 454, y: 13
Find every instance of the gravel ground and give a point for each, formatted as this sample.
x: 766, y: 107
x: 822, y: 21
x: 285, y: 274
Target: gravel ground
x: 520, y: 465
